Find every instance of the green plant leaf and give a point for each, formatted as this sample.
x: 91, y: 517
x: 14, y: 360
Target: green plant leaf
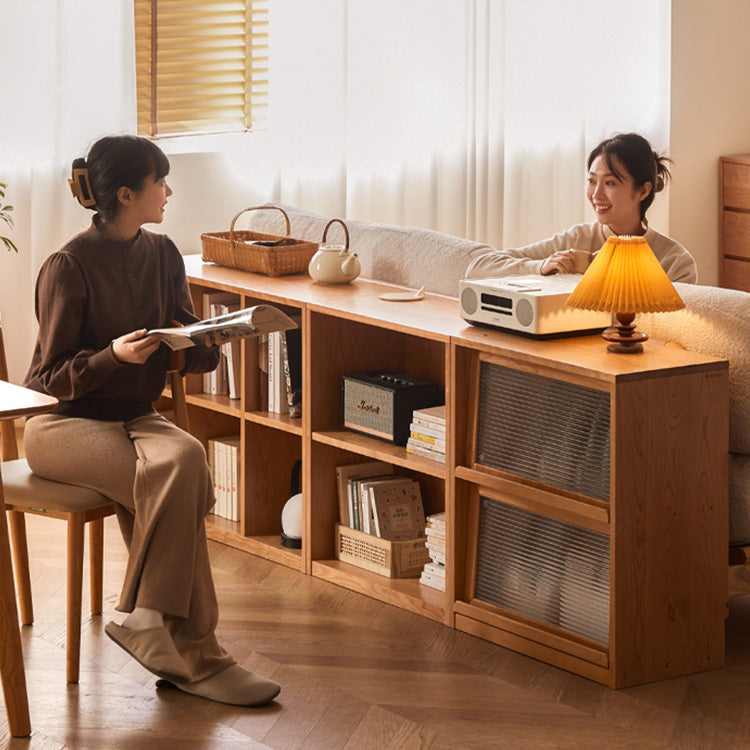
x: 9, y: 244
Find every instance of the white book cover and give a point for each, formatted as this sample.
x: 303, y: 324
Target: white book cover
x: 233, y: 456
x: 211, y: 459
x: 423, y: 451
x: 427, y: 429
x: 434, y: 414
x: 279, y: 397
x: 436, y: 520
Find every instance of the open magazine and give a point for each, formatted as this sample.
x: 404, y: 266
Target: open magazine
x: 248, y: 322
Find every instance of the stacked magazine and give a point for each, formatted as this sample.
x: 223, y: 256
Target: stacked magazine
x: 433, y: 573
x: 427, y: 433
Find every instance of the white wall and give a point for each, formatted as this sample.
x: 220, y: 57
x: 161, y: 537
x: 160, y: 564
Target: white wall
x: 710, y: 117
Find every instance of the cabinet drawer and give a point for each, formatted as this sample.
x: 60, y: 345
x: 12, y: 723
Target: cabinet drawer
x: 735, y: 274
x: 735, y: 234
x: 736, y: 185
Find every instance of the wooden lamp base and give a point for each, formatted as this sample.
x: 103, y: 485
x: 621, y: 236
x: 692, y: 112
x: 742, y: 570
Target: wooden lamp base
x: 624, y: 338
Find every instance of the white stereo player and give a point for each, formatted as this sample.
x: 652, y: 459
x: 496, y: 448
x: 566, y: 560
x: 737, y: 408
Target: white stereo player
x: 532, y: 305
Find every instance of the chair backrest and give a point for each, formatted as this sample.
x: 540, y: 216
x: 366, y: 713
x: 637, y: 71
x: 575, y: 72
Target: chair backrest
x: 177, y: 385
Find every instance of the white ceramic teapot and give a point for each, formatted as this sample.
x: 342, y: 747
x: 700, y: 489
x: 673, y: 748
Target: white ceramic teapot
x: 333, y: 263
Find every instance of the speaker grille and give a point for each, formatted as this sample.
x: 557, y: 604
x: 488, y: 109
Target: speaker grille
x: 544, y: 429
x: 544, y: 569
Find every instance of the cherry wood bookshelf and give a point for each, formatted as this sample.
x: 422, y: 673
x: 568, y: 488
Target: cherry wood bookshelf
x: 665, y: 520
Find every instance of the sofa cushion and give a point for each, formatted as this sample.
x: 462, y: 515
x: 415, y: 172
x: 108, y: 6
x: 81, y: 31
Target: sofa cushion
x: 716, y: 322
x: 405, y: 256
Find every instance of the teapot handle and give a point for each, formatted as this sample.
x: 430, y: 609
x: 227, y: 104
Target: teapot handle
x: 346, y: 231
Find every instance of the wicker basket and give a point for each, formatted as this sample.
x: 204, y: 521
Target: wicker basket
x: 391, y: 559
x: 277, y: 256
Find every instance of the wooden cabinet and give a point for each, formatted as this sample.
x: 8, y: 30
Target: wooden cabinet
x: 607, y: 512
x: 596, y: 542
x: 734, y: 236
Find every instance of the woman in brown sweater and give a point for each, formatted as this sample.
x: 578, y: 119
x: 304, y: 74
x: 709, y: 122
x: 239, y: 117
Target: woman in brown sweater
x: 96, y: 298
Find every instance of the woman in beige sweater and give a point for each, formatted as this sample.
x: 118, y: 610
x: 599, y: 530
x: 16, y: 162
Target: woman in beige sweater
x: 624, y: 174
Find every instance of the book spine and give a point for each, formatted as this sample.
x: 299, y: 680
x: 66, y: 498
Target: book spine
x: 288, y: 390
x: 279, y: 397
x: 234, y: 481
x: 271, y: 375
x: 426, y: 429
x: 430, y: 440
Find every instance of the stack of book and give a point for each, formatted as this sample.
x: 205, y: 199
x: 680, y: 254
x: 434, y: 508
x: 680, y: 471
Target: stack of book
x: 427, y: 433
x: 375, y: 500
x: 275, y: 358
x: 433, y: 573
x: 284, y: 371
x: 224, y: 461
x: 225, y: 379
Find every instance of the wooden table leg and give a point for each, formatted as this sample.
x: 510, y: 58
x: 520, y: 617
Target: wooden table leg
x: 11, y: 657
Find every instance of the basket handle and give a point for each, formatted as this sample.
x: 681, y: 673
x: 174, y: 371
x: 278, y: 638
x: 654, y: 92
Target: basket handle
x: 346, y: 230
x: 257, y: 208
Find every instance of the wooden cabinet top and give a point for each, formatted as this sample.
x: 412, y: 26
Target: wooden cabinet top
x: 736, y: 158
x: 437, y: 317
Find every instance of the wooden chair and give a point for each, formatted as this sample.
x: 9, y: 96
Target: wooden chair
x: 25, y: 492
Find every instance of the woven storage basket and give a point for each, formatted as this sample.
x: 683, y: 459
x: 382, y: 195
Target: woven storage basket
x: 390, y: 559
x: 235, y: 248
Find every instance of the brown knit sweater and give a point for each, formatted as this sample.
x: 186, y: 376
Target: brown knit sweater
x: 88, y: 293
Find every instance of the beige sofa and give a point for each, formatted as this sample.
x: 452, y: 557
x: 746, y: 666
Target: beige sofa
x: 404, y: 256
x: 715, y: 321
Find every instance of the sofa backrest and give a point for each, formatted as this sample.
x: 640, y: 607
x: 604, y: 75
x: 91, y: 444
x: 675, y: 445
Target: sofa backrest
x: 405, y: 256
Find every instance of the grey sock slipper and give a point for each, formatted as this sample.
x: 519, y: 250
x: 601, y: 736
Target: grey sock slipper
x: 152, y: 648
x: 234, y: 685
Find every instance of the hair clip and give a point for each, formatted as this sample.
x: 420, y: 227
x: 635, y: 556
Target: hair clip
x: 81, y: 187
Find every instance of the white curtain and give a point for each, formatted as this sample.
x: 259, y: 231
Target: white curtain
x: 473, y: 117
x: 68, y: 73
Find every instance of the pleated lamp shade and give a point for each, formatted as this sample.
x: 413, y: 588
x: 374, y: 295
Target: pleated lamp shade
x: 625, y: 278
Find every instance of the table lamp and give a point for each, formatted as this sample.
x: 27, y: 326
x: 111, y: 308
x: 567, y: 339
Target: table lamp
x: 625, y: 278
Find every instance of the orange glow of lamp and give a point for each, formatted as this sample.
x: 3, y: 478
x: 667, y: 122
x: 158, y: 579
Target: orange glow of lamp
x: 625, y: 278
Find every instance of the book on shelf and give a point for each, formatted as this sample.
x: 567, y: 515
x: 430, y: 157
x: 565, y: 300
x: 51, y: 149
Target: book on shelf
x: 249, y: 321
x: 433, y: 575
x: 262, y: 371
x: 431, y: 415
x: 345, y: 474
x: 399, y: 510
x: 424, y: 450
x: 291, y: 355
x: 435, y: 533
x: 223, y: 460
x: 428, y: 441
x: 231, y: 359
x: 427, y: 433
x: 275, y: 373
x: 212, y: 303
x: 358, y: 502
x: 367, y: 488
x: 427, y: 436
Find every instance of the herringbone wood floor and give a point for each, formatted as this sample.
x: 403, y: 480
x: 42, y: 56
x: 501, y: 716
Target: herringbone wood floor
x: 355, y: 673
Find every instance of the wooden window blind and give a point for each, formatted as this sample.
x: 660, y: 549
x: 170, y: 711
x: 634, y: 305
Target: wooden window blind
x: 201, y: 66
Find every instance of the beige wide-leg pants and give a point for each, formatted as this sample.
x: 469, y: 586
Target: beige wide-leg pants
x: 159, y: 478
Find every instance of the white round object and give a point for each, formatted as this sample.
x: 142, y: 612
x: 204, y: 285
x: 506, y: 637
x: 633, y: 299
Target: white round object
x: 291, y: 517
